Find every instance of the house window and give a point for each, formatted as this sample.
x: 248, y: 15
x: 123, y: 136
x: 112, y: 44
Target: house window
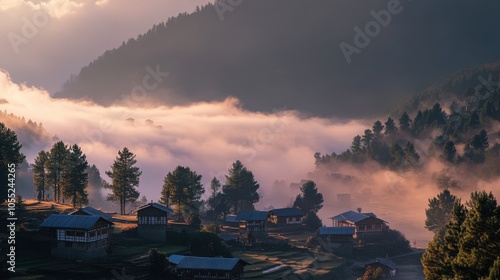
x: 70, y: 233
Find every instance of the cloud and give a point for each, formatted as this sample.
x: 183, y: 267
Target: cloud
x: 208, y: 137
x: 55, y: 8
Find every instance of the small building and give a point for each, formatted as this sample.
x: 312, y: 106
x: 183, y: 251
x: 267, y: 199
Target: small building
x: 231, y: 221
x: 89, y: 211
x: 197, y: 268
x: 252, y: 221
x: 286, y: 216
x: 388, y: 267
x: 339, y: 239
x: 364, y: 223
x: 152, y: 221
x: 79, y: 237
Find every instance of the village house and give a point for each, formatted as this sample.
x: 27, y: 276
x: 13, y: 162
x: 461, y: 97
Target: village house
x: 89, y: 211
x: 364, y: 223
x: 197, y: 268
x: 252, y: 221
x: 388, y: 267
x: 339, y: 239
x: 79, y: 237
x: 286, y: 216
x: 152, y: 221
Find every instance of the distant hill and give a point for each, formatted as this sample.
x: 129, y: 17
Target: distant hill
x: 274, y: 54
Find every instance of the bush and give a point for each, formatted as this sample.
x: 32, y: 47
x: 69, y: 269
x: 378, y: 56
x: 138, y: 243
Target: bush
x: 158, y: 262
x: 312, y: 221
x: 213, y: 228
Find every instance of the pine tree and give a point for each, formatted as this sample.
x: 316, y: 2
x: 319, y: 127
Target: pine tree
x: 183, y: 187
x: 10, y: 153
x: 449, y: 152
x: 390, y: 127
x: 377, y: 129
x: 39, y: 174
x: 367, y: 139
x: 439, y: 212
x: 405, y: 122
x: 74, y: 178
x: 309, y: 200
x: 495, y: 270
x: 55, y: 167
x: 125, y: 178
x: 479, y: 245
x: 215, y: 185
x: 241, y: 187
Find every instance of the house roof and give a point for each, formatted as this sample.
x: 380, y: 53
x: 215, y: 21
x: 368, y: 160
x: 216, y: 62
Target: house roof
x: 92, y: 211
x: 336, y: 230
x: 155, y: 205
x: 206, y: 263
x: 71, y: 221
x: 252, y: 216
x: 175, y: 259
x: 353, y: 217
x: 287, y: 212
x: 385, y: 262
x: 231, y: 219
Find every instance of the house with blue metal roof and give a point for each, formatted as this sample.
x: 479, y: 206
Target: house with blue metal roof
x: 388, y: 267
x: 286, y: 216
x: 91, y: 211
x: 79, y: 237
x: 339, y: 239
x: 252, y: 221
x: 209, y: 268
x: 152, y: 221
x: 364, y: 223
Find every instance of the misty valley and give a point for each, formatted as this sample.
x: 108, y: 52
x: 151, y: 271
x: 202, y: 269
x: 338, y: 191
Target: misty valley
x: 262, y: 139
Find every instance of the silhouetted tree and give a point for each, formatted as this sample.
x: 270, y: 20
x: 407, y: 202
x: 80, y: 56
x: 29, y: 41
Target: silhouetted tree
x: 405, y: 122
x: 39, y: 174
x: 55, y: 167
x: 390, y: 127
x: 240, y: 187
x: 309, y: 199
x: 440, y: 210
x: 449, y: 151
x: 125, y: 178
x: 74, y: 178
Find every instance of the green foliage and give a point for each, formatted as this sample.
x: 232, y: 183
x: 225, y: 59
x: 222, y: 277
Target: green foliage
x: 405, y: 122
x: 309, y: 199
x: 213, y: 228
x: 240, y: 188
x: 10, y: 152
x: 194, y: 221
x: 183, y: 187
x: 74, y: 178
x: 440, y: 210
x: 55, y: 167
x: 471, y: 242
x: 39, y: 175
x: 125, y: 178
x: 495, y: 270
x: 312, y: 221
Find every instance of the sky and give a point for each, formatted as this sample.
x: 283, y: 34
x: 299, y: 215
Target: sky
x: 44, y: 42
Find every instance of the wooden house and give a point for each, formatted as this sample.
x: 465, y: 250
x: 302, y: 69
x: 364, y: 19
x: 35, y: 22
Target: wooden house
x: 339, y: 239
x: 91, y: 211
x: 152, y: 221
x: 286, y: 216
x: 252, y: 221
x: 79, y: 237
x: 388, y: 267
x: 197, y: 268
x: 364, y: 223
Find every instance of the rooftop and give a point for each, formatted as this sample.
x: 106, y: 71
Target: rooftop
x: 337, y: 230
x: 385, y: 262
x: 287, y: 212
x: 351, y: 216
x: 71, y: 221
x: 92, y: 211
x: 155, y: 205
x: 252, y: 216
